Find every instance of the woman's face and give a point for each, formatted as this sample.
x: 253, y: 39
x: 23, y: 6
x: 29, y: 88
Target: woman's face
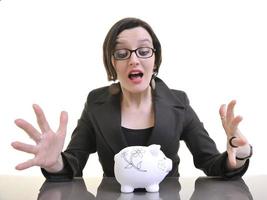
x: 134, y: 73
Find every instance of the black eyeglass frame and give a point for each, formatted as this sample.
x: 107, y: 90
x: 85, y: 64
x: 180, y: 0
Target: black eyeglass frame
x: 135, y: 51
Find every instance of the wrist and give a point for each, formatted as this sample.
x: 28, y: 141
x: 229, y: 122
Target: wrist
x: 58, y: 166
x: 245, y: 155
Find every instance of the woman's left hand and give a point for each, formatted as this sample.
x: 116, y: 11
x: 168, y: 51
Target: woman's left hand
x: 230, y: 124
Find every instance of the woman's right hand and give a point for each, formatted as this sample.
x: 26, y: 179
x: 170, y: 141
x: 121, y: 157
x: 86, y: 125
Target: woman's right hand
x: 49, y: 145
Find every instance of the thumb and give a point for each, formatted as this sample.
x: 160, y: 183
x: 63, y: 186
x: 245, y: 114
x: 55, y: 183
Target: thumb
x: 231, y: 159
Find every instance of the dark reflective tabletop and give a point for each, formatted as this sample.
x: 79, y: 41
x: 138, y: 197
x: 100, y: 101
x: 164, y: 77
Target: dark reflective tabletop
x: 16, y: 187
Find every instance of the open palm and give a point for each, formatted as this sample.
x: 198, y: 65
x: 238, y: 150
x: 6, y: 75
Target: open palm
x: 49, y: 144
x: 230, y: 124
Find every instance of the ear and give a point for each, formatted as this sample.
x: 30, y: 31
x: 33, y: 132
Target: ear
x: 154, y: 149
x: 113, y: 63
x: 155, y: 68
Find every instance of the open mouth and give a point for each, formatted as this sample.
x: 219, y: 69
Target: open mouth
x: 135, y: 75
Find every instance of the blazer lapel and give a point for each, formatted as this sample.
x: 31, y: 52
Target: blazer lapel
x: 108, y: 119
x: 167, y: 109
x: 107, y: 114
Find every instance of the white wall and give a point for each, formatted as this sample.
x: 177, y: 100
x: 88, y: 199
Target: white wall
x: 50, y: 54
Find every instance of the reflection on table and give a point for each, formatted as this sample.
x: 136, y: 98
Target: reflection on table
x: 205, y: 188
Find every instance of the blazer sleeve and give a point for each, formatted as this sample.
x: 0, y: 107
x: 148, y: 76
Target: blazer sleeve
x: 205, y: 153
x: 82, y: 144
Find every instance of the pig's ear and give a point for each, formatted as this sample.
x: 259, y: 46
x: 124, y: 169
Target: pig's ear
x: 154, y: 149
x: 116, y: 156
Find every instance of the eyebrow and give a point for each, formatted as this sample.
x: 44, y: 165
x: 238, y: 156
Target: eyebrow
x: 139, y: 41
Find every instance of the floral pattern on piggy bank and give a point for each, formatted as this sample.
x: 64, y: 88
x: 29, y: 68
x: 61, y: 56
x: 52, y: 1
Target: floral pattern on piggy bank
x: 141, y: 167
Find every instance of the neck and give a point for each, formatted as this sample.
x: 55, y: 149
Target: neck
x: 136, y: 100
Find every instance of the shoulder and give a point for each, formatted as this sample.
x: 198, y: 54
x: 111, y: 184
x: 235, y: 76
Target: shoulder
x: 98, y: 94
x: 171, y: 95
x: 99, y: 91
x: 181, y: 95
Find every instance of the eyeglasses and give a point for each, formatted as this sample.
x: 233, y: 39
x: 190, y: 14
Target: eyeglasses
x: 141, y: 52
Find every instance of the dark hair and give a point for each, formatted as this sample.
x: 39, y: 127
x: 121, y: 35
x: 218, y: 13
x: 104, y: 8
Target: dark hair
x: 110, y: 43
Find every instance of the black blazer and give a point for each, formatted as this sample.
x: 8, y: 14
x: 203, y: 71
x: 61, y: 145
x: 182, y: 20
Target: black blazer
x: 99, y: 130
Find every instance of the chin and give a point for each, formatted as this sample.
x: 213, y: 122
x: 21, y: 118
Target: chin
x: 138, y: 88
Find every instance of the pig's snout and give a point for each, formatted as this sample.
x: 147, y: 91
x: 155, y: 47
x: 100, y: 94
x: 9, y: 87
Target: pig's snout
x: 169, y: 165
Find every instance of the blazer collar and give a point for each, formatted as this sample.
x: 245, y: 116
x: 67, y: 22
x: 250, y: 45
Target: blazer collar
x: 164, y: 94
x: 108, y: 116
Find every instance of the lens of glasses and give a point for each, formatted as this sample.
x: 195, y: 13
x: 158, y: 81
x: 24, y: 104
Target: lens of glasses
x: 122, y: 54
x: 142, y: 52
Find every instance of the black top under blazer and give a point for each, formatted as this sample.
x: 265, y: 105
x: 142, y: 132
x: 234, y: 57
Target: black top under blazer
x: 99, y: 130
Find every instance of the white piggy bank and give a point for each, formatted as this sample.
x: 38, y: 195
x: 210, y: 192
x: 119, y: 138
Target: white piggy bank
x: 141, y: 167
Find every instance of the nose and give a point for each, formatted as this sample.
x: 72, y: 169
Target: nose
x: 133, y: 60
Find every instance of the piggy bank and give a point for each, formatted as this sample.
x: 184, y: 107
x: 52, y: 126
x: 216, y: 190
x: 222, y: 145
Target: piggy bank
x: 141, y: 167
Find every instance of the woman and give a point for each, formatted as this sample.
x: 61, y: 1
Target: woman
x: 137, y: 110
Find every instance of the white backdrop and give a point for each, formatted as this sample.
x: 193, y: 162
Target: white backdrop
x: 51, y: 54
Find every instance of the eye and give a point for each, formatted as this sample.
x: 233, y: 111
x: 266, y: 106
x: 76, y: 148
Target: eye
x: 144, y: 51
x: 121, y: 54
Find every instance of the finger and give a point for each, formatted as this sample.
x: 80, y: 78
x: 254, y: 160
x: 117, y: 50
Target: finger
x: 41, y: 120
x: 230, y: 111
x: 62, y: 129
x: 25, y: 165
x: 29, y: 129
x: 222, y: 112
x: 235, y: 123
x: 24, y: 147
x: 237, y: 142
